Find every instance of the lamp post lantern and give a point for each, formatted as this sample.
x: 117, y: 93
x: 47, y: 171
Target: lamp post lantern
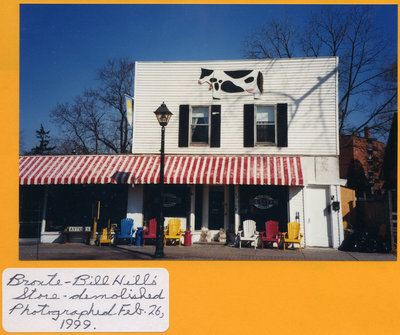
x: 163, y: 116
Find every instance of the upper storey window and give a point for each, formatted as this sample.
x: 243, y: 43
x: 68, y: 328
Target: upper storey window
x: 199, y: 128
x: 265, y: 124
x: 199, y: 125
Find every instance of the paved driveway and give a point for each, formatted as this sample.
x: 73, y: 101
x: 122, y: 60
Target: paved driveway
x: 79, y: 251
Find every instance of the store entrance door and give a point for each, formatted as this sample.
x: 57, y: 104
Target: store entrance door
x: 318, y: 229
x: 216, y: 209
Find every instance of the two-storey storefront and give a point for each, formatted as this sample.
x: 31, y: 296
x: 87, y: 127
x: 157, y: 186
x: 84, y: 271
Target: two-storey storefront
x: 248, y: 139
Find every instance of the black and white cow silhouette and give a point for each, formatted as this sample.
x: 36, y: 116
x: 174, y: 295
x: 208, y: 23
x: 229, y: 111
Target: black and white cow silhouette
x: 233, y: 81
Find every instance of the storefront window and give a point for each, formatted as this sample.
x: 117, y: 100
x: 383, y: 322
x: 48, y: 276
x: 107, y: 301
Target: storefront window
x: 216, y: 208
x: 263, y: 203
x: 76, y: 205
x: 30, y: 211
x: 176, y: 201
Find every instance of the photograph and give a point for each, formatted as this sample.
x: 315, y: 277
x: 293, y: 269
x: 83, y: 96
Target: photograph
x: 235, y: 143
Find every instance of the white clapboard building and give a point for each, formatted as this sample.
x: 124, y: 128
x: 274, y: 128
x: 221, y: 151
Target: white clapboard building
x: 248, y: 139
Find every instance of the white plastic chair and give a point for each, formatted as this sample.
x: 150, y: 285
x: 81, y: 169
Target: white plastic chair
x: 248, y: 234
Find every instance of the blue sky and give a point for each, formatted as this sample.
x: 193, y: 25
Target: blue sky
x: 62, y: 46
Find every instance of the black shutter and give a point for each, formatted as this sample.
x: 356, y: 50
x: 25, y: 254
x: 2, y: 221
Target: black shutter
x: 282, y: 126
x: 215, y: 141
x: 183, y: 126
x: 248, y: 126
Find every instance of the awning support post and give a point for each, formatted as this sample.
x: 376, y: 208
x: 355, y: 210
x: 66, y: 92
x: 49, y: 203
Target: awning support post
x: 44, y: 213
x: 192, y: 208
x: 237, y: 215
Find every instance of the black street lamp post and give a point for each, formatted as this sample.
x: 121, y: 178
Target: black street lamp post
x: 163, y: 116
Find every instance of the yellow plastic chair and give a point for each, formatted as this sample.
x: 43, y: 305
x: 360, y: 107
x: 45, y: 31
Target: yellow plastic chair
x: 173, y: 232
x: 293, y: 234
x: 105, y: 237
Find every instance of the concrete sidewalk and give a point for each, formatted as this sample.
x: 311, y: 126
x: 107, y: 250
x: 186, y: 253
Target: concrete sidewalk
x: 79, y: 251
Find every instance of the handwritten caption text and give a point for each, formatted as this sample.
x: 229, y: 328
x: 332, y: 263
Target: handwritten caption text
x: 85, y: 300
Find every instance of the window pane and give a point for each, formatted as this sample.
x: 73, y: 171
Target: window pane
x: 200, y: 115
x: 265, y: 114
x: 265, y: 124
x: 200, y: 133
x: 265, y: 133
x: 200, y: 120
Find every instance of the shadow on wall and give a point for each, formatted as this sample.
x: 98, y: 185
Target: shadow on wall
x: 348, y: 204
x: 350, y: 218
x: 297, y: 102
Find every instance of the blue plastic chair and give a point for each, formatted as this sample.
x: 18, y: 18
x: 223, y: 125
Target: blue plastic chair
x: 127, y: 230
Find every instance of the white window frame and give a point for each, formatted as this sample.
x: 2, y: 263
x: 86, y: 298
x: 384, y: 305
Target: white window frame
x: 255, y: 126
x: 201, y: 144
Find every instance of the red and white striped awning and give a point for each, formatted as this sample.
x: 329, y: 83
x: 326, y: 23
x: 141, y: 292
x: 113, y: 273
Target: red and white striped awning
x: 144, y: 169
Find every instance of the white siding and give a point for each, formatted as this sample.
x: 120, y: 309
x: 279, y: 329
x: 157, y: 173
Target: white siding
x: 320, y: 170
x: 296, y: 205
x: 307, y: 85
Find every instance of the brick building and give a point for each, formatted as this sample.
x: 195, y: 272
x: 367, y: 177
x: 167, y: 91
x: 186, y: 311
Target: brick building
x: 369, y: 152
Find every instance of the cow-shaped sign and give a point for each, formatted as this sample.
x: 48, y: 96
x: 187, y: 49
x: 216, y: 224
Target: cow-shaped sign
x: 233, y: 81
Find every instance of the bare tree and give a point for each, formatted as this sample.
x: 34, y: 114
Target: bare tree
x: 275, y: 39
x: 73, y: 134
x: 387, y: 87
x: 349, y: 33
x: 95, y: 122
x: 361, y: 70
x: 325, y: 32
x: 116, y: 79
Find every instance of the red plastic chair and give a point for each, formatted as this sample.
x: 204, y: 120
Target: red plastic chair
x: 151, y: 231
x: 271, y: 232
